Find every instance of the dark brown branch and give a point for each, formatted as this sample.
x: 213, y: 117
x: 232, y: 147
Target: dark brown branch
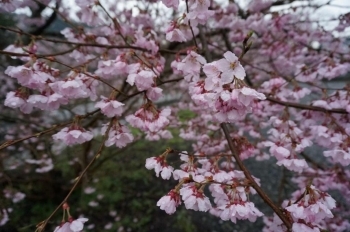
x: 12, y: 142
x: 49, y: 21
x: 189, y: 24
x: 247, y: 174
x: 306, y: 107
x: 205, y: 49
x: 38, y: 55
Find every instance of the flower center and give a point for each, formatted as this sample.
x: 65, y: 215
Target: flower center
x: 233, y: 65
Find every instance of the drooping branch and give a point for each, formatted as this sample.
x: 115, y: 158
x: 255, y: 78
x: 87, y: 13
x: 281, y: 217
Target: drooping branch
x: 42, y: 225
x: 12, y: 142
x: 247, y: 174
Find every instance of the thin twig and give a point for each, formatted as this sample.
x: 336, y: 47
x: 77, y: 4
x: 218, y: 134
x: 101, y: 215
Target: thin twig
x: 12, y: 142
x: 306, y: 107
x: 41, y: 227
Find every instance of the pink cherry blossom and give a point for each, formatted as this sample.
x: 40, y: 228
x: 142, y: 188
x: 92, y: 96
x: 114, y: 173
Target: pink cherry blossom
x: 230, y: 68
x: 169, y: 202
x: 146, y: 40
x: 78, y: 224
x: 171, y: 3
x: 109, y: 68
x: 162, y: 134
x: 243, y: 210
x: 159, y: 165
x: 154, y: 93
x: 15, y: 196
x: 18, y: 100
x: 9, y: 6
x: 36, y: 76
x: 340, y: 156
x: 314, y: 207
x: 303, y: 227
x: 72, y: 226
x: 73, y: 135
x: 179, y: 32
x: 147, y: 118
x: 199, y: 12
x: 143, y: 78
x: 195, y: 199
x: 191, y: 66
x: 48, y: 101
x: 110, y: 108
x: 297, y: 165
x: 77, y: 85
x: 175, y: 34
x: 118, y: 135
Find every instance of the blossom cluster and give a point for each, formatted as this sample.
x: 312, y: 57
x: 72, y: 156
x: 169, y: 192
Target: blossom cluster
x: 223, y: 91
x: 229, y: 189
x: 314, y: 207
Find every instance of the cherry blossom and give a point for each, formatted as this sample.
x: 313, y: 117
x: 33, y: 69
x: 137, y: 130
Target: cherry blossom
x: 73, y: 135
x: 118, y: 135
x: 169, y: 202
x: 77, y: 85
x: 148, y: 118
x: 175, y: 34
x: 199, y: 12
x: 15, y: 196
x: 313, y: 208
x: 340, y: 156
x: 4, y: 217
x: 191, y: 65
x: 18, y: 100
x: 171, y: 3
x: 36, y: 76
x: 244, y: 210
x: 9, y: 6
x: 72, y: 226
x: 179, y: 32
x: 230, y: 68
x: 45, y: 164
x: 297, y: 165
x: 195, y: 199
x: 160, y: 166
x: 110, y: 108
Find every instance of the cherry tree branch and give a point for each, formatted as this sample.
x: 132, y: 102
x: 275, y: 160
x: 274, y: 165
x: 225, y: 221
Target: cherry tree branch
x: 189, y: 24
x: 38, y: 55
x: 247, y: 174
x: 12, y: 142
x: 85, y: 44
x: 306, y: 107
x: 42, y: 225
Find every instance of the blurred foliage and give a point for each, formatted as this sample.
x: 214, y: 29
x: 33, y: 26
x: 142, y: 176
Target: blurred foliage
x: 185, y: 115
x: 6, y: 38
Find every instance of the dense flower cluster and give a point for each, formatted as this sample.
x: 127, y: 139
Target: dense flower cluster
x: 228, y: 188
